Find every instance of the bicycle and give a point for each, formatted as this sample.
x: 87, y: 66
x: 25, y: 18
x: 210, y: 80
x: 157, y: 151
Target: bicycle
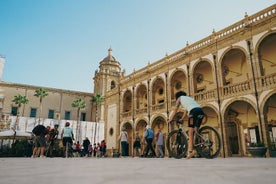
x: 207, y: 141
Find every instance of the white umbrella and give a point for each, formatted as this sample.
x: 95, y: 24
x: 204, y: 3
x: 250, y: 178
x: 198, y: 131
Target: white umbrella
x: 14, y: 134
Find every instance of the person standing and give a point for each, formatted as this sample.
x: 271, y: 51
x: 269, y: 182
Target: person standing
x: 137, y: 144
x: 53, y: 135
x: 160, y: 143
x: 103, y: 147
x: 123, y: 138
x: 67, y: 136
x: 94, y: 150
x: 85, y: 145
x: 40, y: 133
x: 149, y: 135
x: 195, y: 116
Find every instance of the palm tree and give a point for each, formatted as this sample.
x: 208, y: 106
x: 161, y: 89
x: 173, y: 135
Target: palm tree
x: 40, y: 93
x: 79, y: 104
x: 19, y: 100
x: 96, y: 99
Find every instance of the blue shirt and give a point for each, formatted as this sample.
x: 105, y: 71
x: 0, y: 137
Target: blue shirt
x: 67, y: 132
x: 149, y: 133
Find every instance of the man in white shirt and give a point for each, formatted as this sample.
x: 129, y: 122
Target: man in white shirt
x: 195, y: 116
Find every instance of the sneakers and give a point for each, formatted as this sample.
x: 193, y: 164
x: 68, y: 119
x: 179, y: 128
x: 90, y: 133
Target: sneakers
x: 191, y: 154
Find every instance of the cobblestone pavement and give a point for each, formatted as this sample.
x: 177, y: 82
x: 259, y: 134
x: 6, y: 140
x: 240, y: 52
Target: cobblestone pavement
x: 137, y: 171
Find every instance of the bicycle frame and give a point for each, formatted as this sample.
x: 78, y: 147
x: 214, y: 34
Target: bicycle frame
x: 206, y: 146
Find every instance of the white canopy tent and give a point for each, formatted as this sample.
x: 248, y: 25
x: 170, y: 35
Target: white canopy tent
x: 14, y: 134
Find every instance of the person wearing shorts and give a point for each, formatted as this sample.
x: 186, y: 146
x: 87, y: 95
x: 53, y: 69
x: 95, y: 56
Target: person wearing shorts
x: 40, y: 142
x: 195, y: 115
x: 67, y: 136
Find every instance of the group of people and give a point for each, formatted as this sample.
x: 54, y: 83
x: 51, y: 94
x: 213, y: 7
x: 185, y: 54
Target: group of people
x: 45, y: 139
x: 190, y: 108
x: 89, y: 150
x: 146, y: 141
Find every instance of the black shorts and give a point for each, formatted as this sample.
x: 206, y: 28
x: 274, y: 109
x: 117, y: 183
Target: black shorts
x: 196, y: 116
x: 67, y: 139
x: 40, y: 141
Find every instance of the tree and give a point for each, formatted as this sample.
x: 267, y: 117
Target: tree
x: 96, y: 99
x: 19, y: 100
x: 40, y: 93
x: 78, y: 104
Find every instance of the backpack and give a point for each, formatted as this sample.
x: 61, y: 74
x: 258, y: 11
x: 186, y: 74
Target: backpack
x: 38, y: 130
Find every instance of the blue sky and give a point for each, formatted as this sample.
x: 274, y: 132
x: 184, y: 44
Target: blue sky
x: 59, y: 43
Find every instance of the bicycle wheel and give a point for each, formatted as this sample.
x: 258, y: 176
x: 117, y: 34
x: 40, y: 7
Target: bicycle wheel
x: 177, y: 144
x: 208, y: 142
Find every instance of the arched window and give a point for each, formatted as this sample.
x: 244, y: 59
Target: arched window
x: 112, y: 85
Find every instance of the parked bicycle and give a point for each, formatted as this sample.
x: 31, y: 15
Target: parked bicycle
x: 207, y: 141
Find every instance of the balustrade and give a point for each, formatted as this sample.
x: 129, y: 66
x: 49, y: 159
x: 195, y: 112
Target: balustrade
x: 236, y: 89
x: 268, y: 81
x: 206, y: 95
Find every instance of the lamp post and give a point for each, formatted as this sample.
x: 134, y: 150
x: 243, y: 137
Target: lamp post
x: 255, y: 88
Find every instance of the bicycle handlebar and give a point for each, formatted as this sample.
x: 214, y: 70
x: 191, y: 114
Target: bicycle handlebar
x: 178, y: 121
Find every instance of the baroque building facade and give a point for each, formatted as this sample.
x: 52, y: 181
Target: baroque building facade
x: 231, y: 73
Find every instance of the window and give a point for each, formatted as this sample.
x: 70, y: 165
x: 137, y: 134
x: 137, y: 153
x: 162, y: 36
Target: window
x: 83, y: 116
x: 67, y: 115
x: 51, y: 114
x: 14, y: 111
x: 113, y: 85
x: 33, y: 113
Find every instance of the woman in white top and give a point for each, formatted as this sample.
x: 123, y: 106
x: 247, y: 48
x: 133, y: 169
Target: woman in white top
x: 123, y: 138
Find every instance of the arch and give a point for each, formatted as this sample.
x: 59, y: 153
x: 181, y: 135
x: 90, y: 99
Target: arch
x: 268, y: 109
x: 226, y: 104
x: 158, y: 91
x: 127, y: 101
x: 241, y: 126
x: 266, y: 54
x: 178, y: 81
x: 159, y: 122
x: 203, y: 76
x: 112, y: 84
x: 212, y: 116
x: 234, y: 66
x: 129, y: 130
x: 140, y: 126
x: 141, y: 96
x: 265, y: 100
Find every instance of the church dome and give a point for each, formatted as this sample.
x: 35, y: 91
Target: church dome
x: 109, y: 58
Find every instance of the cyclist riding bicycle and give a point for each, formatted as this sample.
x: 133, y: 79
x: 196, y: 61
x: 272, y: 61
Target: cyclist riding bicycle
x: 67, y: 136
x: 195, y: 116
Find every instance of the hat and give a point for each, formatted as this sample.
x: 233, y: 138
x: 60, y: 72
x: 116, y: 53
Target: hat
x: 148, y: 126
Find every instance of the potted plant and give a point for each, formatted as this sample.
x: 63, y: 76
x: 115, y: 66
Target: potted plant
x: 257, y: 149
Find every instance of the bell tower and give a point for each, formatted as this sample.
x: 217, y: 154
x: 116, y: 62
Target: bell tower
x: 108, y: 75
x: 106, y: 78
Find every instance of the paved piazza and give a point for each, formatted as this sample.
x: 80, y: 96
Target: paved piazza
x: 137, y: 171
